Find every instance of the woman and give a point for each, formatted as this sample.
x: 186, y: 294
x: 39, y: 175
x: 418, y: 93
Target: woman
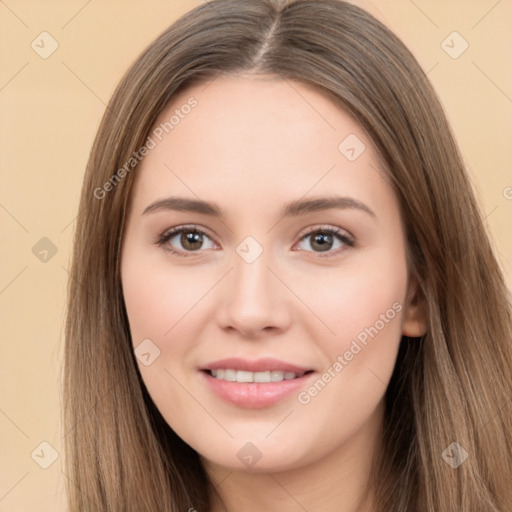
x: 283, y: 297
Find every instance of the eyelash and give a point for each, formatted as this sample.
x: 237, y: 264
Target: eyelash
x: 336, y: 232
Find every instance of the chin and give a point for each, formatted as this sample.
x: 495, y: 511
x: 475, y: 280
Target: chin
x: 259, y: 456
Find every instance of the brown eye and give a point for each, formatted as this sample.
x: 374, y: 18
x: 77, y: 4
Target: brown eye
x: 324, y: 240
x: 191, y: 240
x: 183, y: 240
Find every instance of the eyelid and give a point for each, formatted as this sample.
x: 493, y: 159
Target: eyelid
x: 184, y: 227
x: 326, y: 228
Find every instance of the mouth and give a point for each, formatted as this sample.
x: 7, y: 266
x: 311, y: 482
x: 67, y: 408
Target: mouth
x: 255, y: 384
x: 232, y: 375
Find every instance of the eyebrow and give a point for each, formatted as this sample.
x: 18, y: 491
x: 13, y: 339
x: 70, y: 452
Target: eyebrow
x: 292, y: 209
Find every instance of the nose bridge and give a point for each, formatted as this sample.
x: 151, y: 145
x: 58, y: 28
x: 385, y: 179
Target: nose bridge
x: 254, y: 300
x: 251, y: 279
x: 251, y: 282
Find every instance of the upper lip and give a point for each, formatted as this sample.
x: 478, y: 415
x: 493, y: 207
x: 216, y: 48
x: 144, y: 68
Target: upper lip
x: 258, y: 365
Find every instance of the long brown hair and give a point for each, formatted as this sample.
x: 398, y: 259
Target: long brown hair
x: 452, y: 385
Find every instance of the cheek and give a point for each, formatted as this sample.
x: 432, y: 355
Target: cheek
x: 163, y: 305
x: 159, y: 299
x: 363, y: 304
x: 355, y: 300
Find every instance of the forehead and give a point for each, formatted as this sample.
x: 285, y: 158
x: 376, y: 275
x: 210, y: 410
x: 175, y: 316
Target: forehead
x: 257, y: 136
x: 262, y: 116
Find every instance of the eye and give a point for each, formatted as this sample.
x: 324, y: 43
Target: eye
x: 324, y: 239
x: 181, y: 240
x: 190, y: 238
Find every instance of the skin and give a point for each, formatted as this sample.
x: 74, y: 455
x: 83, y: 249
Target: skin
x: 251, y: 145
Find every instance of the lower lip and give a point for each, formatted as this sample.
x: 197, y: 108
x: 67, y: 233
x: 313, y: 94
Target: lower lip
x: 255, y: 395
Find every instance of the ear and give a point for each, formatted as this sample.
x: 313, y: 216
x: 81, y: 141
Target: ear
x: 414, y: 320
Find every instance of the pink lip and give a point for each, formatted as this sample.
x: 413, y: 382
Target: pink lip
x: 260, y: 365
x: 255, y: 395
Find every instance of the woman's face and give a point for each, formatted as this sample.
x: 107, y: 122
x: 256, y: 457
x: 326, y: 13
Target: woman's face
x: 287, y: 265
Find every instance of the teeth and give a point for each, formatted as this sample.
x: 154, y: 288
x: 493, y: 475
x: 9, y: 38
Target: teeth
x: 230, y: 375
x: 244, y: 376
x: 276, y: 376
x: 262, y: 377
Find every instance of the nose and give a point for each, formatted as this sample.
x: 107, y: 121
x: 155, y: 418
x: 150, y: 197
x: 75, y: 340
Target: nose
x: 254, y: 302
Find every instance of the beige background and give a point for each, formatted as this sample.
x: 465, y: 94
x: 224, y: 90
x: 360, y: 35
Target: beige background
x: 51, y: 109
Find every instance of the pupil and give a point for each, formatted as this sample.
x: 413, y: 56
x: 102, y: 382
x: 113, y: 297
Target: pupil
x: 189, y: 239
x: 324, y: 241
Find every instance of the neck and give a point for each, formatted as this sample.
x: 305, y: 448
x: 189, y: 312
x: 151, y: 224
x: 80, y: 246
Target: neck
x: 337, y: 482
